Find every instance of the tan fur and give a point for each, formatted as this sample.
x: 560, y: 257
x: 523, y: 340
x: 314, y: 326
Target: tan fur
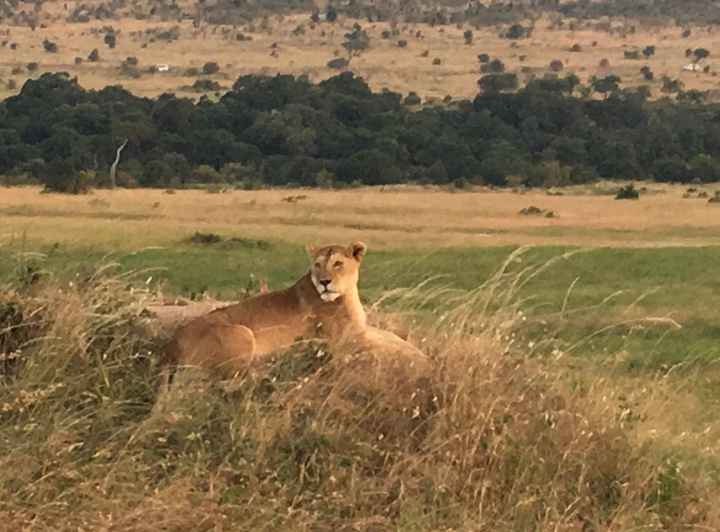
x: 323, y: 303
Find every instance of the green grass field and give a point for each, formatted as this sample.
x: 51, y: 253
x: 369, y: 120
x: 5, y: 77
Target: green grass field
x: 603, y: 286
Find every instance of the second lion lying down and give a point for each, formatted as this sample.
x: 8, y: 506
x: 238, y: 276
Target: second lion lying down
x: 324, y: 303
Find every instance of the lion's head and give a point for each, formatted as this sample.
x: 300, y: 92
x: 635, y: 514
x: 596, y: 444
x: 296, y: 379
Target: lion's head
x: 334, y: 270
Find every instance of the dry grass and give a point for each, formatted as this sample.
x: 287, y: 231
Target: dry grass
x: 399, y: 217
x: 383, y: 66
x: 489, y: 439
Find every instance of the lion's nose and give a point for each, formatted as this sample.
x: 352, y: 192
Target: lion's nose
x: 325, y: 282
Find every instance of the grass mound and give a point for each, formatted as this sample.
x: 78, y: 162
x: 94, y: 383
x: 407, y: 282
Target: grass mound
x: 313, y: 440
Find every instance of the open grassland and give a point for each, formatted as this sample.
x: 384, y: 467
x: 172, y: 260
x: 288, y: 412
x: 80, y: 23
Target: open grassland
x: 494, y: 436
x: 392, y: 217
x: 383, y: 65
x: 659, y: 249
x: 576, y: 390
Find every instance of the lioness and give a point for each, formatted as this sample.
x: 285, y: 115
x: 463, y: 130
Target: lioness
x: 323, y: 303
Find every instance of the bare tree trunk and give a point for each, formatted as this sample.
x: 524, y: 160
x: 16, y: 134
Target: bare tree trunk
x: 113, y: 168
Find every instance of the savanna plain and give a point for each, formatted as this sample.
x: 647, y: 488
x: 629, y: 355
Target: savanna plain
x: 573, y: 338
x: 574, y: 382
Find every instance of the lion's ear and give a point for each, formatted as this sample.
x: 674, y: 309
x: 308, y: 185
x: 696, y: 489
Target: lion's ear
x: 311, y: 249
x: 357, y: 250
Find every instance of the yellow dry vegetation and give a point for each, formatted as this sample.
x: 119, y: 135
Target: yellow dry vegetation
x: 384, y: 65
x: 397, y: 217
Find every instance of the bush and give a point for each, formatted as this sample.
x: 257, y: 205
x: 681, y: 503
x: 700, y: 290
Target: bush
x: 210, y: 68
x: 516, y: 31
x: 206, y: 174
x: 627, y: 192
x: 339, y: 63
x: 50, y: 46
x: 556, y: 65
x: 110, y: 39
x: 206, y: 85
x: 94, y: 56
x: 324, y: 179
x: 494, y: 83
x: 496, y: 66
x: 32, y: 67
x: 60, y: 176
x: 412, y: 99
x: 483, y: 58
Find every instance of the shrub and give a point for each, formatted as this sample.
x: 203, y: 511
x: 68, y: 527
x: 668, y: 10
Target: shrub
x: 94, y: 56
x: 324, y: 179
x: 516, y: 31
x: 412, y: 99
x: 627, y: 192
x: 339, y: 63
x: 110, y: 39
x: 494, y: 83
x: 556, y: 65
x: 210, y: 68
x: 496, y: 66
x: 331, y: 14
x: 671, y: 86
x: 205, y: 174
x: 32, y: 67
x: 483, y: 58
x: 50, y: 46
x: 206, y: 85
x: 576, y: 48
x: 60, y: 176
x: 402, y: 43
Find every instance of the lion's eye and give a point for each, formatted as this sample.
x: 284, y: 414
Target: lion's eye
x: 338, y: 265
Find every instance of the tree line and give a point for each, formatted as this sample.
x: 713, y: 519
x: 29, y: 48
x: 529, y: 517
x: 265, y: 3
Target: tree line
x: 285, y: 130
